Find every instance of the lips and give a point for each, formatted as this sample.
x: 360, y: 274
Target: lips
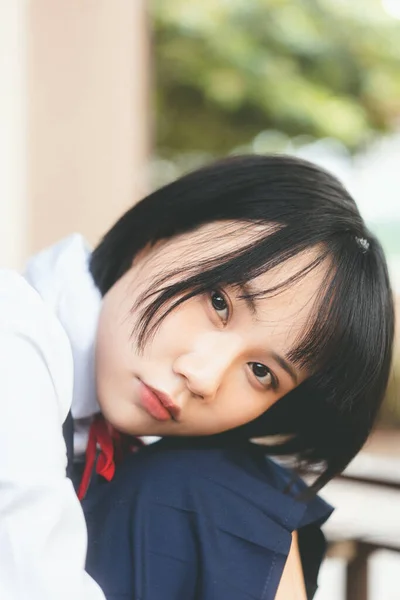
x: 157, y: 404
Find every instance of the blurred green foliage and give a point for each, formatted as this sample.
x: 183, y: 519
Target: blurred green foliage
x: 234, y: 75
x: 227, y: 70
x: 390, y: 412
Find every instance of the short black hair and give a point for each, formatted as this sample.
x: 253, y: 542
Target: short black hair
x: 348, y: 347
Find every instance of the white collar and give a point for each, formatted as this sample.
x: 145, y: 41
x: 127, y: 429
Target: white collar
x: 61, y: 276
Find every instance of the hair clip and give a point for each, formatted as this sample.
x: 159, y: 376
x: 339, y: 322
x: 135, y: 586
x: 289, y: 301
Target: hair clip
x: 363, y: 243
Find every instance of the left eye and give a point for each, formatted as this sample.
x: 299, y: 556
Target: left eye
x: 220, y: 305
x: 263, y: 374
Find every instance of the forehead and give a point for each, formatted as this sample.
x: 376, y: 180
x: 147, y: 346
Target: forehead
x: 188, y: 250
x: 285, y: 301
x: 219, y: 238
x: 294, y: 300
x: 210, y: 241
x: 300, y: 272
x: 285, y: 312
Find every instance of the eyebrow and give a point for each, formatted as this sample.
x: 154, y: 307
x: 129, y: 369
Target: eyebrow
x: 248, y: 293
x: 286, y: 366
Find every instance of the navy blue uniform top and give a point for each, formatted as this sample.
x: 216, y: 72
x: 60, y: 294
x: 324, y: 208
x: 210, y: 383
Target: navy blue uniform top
x: 193, y: 520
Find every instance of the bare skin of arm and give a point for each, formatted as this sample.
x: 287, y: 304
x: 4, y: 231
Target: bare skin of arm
x: 291, y: 585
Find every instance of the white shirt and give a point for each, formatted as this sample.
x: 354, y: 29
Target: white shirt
x: 47, y: 328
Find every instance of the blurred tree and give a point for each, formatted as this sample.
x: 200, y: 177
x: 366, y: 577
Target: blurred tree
x: 227, y: 70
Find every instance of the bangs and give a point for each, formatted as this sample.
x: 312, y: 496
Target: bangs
x: 275, y: 208
x: 264, y: 249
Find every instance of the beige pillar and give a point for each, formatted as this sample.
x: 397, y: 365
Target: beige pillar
x: 88, y: 114
x: 73, y: 118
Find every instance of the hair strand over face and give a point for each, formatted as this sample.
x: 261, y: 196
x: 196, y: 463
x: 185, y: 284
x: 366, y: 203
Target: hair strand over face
x: 293, y: 207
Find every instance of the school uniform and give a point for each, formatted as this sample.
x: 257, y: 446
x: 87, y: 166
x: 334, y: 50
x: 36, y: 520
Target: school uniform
x: 178, y: 519
x: 43, y: 538
x: 194, y: 520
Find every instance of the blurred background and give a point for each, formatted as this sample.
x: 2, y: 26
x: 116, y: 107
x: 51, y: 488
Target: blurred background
x: 102, y: 101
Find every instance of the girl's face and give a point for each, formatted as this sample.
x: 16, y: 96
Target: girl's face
x: 216, y: 362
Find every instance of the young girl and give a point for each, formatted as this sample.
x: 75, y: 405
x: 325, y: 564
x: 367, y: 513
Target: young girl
x: 246, y: 299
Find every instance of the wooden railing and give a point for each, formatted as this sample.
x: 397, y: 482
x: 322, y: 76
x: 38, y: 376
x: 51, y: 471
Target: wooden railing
x: 367, y: 515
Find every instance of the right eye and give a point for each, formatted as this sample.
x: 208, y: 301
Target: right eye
x: 264, y: 375
x: 220, y: 305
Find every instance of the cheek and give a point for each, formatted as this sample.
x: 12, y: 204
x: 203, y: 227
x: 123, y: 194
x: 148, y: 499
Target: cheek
x: 242, y: 412
x: 178, y: 330
x: 238, y: 403
x: 230, y: 415
x: 106, y: 356
x: 113, y: 344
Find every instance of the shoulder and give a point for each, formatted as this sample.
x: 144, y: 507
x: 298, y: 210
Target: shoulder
x: 223, y: 508
x: 30, y: 329
x: 238, y: 473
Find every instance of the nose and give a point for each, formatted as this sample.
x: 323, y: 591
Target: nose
x: 208, y: 362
